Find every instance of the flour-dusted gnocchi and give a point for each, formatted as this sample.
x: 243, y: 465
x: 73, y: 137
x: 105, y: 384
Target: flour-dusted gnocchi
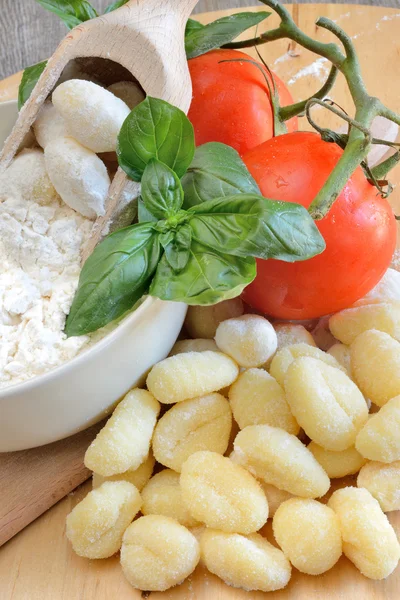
x: 222, y: 494
x: 275, y: 496
x: 197, y: 345
x: 379, y: 439
x: 202, y: 423
x: 250, y: 339
x: 49, y: 125
x: 158, y: 553
x: 202, y: 321
x: 257, y: 398
x: 191, y: 374
x: 96, y: 525
x: 279, y: 458
x: 342, y: 354
x: 386, y: 290
x: 309, y: 534
x: 129, y: 92
x: 325, y: 402
x: 383, y: 482
x: 124, y: 441
x: 369, y: 540
x: 162, y: 496
x: 78, y: 175
x: 138, y: 477
x: 347, y: 324
x: 284, y: 358
x: 27, y: 178
x: 290, y: 333
x: 338, y: 464
x: 245, y: 561
x: 375, y: 365
x: 92, y: 114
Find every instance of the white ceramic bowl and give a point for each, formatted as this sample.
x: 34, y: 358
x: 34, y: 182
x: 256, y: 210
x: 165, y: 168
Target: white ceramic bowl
x: 81, y: 392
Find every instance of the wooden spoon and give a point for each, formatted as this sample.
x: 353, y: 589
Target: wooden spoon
x: 145, y: 37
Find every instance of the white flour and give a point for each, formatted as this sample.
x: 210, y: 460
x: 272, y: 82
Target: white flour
x: 40, y: 245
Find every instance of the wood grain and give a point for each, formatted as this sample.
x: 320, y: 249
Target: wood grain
x: 38, y: 563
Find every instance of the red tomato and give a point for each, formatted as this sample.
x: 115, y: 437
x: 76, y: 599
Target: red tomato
x: 231, y: 102
x: 359, y: 231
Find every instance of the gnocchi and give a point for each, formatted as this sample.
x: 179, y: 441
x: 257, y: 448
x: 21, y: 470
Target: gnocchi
x: 249, y: 562
x: 202, y: 321
x: 386, y: 290
x: 325, y: 402
x: 197, y: 345
x: 379, y: 439
x: 78, y: 175
x: 162, y: 496
x: 279, y: 458
x: 138, y: 477
x: 257, y: 398
x: 347, y: 324
x: 191, y: 374
x: 49, y: 125
x: 92, y: 114
x: 275, y: 496
x: 96, y: 525
x: 202, y: 423
x: 383, y: 482
x: 284, y: 358
x: 309, y: 534
x: 289, y: 334
x: 375, y: 364
x: 124, y: 441
x: 158, y: 553
x: 222, y: 494
x: 250, y: 340
x: 369, y: 540
x: 341, y: 353
x: 338, y: 464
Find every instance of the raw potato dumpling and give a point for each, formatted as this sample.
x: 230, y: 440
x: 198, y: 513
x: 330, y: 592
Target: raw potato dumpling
x: 386, y: 290
x: 325, y: 402
x: 383, y: 482
x: 250, y: 340
x: 96, y: 525
x: 49, y: 125
x: 222, y: 494
x: 158, y: 553
x: 341, y: 353
x: 78, y: 175
x: 138, y: 477
x: 375, y: 365
x: 279, y: 458
x: 202, y: 423
x: 284, y: 358
x: 197, y: 345
x: 338, y: 464
x: 369, y: 540
x: 379, y: 439
x: 257, y: 398
x: 129, y: 92
x: 162, y: 496
x: 275, y: 496
x: 191, y: 374
x: 93, y: 115
x: 27, y: 178
x: 309, y: 534
x: 347, y: 324
x: 124, y: 441
x: 249, y: 562
x: 202, y: 321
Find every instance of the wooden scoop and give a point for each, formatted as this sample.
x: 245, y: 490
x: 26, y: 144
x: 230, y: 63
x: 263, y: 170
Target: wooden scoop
x: 144, y: 38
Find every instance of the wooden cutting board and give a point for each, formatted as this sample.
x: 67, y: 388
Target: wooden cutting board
x: 38, y: 564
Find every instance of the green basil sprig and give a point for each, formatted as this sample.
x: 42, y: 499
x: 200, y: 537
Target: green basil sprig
x: 71, y: 12
x: 29, y: 79
x: 198, y: 256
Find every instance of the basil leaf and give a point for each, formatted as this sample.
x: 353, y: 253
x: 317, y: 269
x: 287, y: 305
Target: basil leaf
x: 71, y: 12
x: 222, y: 31
x: 161, y: 192
x: 113, y: 278
x: 216, y: 171
x: 250, y: 225
x: 177, y: 250
x: 208, y: 277
x: 144, y: 215
x: 192, y: 25
x: 115, y: 5
x: 155, y: 129
x: 29, y: 79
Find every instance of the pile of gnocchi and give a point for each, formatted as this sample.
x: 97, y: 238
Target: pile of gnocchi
x: 248, y: 421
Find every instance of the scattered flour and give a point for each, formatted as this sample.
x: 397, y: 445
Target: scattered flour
x: 40, y: 247
x: 319, y: 68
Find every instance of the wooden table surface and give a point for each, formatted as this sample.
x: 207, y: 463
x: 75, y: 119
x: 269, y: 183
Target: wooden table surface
x: 38, y: 563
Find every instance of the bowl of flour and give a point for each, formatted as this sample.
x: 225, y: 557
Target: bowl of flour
x: 51, y: 386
